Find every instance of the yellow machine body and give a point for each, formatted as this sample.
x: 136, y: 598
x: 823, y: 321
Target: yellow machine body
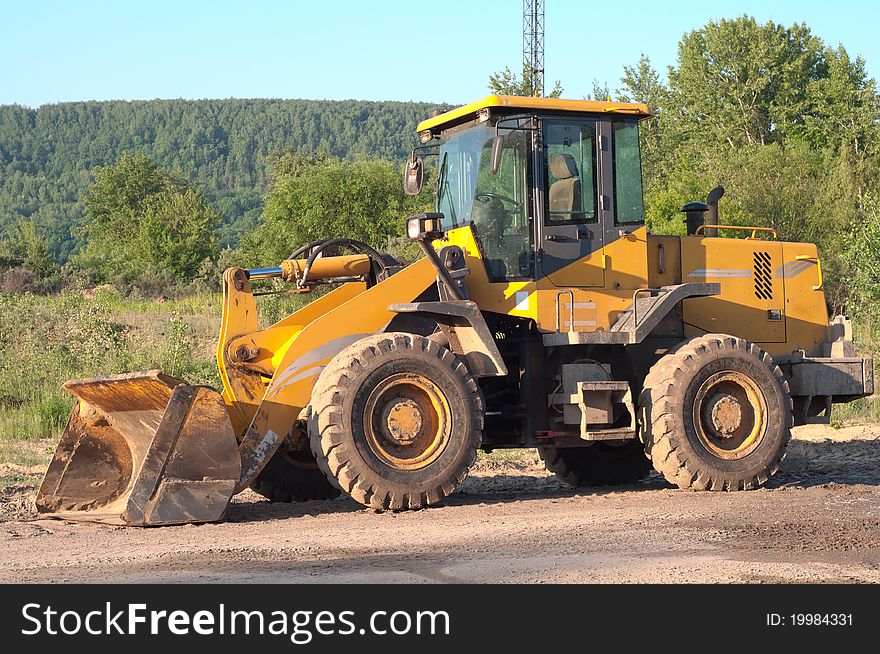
x: 771, y: 291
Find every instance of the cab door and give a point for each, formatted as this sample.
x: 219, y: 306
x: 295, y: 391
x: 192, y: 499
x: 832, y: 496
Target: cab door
x: 572, y: 236
x: 626, y: 240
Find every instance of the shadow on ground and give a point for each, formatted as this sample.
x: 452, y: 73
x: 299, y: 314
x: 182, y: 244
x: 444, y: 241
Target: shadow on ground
x: 808, y: 464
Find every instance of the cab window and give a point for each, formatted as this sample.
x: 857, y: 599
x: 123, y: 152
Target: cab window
x: 628, y: 202
x: 570, y: 170
x: 501, y: 209
x: 497, y: 205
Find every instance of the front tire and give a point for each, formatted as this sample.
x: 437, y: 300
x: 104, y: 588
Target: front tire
x: 716, y: 414
x: 396, y: 421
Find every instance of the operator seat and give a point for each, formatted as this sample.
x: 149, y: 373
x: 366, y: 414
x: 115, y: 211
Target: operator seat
x: 565, y: 192
x: 490, y: 216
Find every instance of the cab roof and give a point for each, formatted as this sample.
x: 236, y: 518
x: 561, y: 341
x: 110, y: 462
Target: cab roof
x: 500, y: 103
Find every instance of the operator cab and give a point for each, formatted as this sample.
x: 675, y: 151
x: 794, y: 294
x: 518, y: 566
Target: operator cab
x: 545, y: 183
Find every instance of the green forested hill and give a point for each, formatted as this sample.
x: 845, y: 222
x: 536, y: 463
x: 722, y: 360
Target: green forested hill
x: 47, y: 154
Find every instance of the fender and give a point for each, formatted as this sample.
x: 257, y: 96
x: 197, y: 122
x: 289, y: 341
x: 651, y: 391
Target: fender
x: 635, y: 323
x: 469, y: 336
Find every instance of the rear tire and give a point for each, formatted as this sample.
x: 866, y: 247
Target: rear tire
x: 396, y: 421
x: 293, y: 477
x: 716, y: 414
x: 600, y: 464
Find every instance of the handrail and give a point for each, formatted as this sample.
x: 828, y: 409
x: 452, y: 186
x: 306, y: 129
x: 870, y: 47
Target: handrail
x: 635, y: 303
x: 623, y: 110
x: 740, y: 228
x: 571, y: 312
x: 807, y: 257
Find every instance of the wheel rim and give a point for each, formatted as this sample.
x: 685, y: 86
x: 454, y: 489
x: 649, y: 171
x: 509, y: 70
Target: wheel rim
x: 730, y: 415
x: 407, y: 421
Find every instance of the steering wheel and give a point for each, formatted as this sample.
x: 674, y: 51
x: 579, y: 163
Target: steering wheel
x: 516, y: 206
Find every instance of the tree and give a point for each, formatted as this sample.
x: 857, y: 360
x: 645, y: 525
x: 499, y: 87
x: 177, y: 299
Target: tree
x: 601, y: 92
x: 177, y: 232
x: 842, y: 106
x: 744, y: 82
x: 317, y: 196
x: 26, y: 247
x: 861, y: 246
x: 46, y: 154
x: 641, y: 83
x: 144, y: 220
x: 506, y: 82
x: 789, y: 126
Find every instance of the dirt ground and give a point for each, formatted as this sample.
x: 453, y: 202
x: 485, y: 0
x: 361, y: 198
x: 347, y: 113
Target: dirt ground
x: 817, y: 521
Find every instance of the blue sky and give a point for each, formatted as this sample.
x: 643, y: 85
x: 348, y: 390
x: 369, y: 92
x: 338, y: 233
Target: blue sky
x: 53, y: 51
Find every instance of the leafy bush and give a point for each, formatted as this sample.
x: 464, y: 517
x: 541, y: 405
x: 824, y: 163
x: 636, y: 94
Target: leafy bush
x: 44, y: 341
x: 144, y: 222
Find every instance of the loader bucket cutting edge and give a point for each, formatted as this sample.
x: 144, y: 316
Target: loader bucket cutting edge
x: 142, y: 449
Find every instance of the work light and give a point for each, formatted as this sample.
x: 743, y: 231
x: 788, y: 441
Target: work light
x: 424, y: 226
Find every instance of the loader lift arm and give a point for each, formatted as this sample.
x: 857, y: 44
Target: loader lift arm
x: 169, y: 453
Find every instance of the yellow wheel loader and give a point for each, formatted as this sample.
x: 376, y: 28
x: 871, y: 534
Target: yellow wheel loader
x: 542, y: 315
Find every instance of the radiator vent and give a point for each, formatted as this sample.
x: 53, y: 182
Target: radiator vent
x: 763, y: 278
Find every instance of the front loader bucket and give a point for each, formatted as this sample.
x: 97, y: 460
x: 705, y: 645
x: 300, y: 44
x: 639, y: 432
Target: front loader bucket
x: 142, y: 449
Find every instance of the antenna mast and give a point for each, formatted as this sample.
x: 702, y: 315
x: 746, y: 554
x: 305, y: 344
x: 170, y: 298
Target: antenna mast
x: 533, y: 45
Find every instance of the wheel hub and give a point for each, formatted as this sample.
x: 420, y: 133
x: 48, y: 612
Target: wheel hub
x: 730, y: 415
x: 407, y: 421
x: 403, y: 421
x: 725, y: 414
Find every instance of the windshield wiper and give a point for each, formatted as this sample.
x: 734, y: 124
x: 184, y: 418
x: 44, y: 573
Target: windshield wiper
x: 441, y: 179
x: 442, y: 187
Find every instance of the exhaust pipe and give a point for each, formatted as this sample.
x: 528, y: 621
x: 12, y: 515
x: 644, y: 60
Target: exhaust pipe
x: 712, y: 214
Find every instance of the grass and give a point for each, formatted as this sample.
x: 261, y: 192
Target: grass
x: 45, y: 341
x: 866, y: 410
x: 513, y: 455
x: 867, y: 337
x: 26, y: 453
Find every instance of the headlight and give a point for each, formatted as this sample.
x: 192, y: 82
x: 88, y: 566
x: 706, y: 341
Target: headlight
x: 424, y: 226
x: 413, y: 228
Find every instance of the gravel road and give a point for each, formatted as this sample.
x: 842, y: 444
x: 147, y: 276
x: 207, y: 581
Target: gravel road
x: 817, y: 521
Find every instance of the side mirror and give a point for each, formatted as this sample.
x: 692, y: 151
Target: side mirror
x: 413, y: 176
x: 497, y: 145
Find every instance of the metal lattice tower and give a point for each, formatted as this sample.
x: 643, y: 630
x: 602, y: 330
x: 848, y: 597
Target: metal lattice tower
x: 533, y: 44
